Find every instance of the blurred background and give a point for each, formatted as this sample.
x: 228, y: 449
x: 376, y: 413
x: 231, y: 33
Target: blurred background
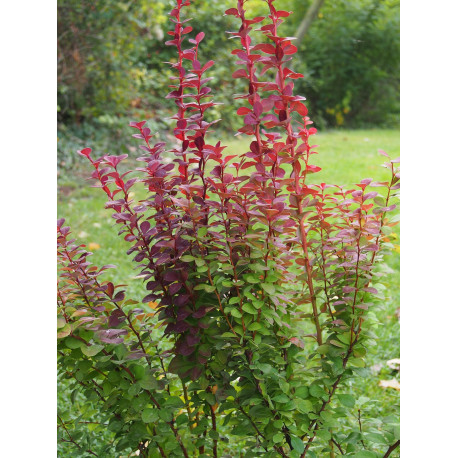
x: 111, y: 67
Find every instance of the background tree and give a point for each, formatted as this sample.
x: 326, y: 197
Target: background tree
x: 305, y: 24
x: 111, y: 51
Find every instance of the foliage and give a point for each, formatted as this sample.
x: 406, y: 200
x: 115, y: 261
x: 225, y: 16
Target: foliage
x: 261, y: 286
x: 111, y: 51
x: 351, y: 57
x: 102, y: 47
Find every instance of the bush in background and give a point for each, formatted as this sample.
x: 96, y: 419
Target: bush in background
x: 111, y: 51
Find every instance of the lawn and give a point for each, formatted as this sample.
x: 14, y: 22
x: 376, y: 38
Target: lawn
x: 345, y: 157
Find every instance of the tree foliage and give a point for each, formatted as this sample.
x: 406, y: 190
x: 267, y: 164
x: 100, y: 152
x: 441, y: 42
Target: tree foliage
x: 111, y: 51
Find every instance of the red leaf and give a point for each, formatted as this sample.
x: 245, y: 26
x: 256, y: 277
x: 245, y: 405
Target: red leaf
x: 243, y: 111
x: 265, y: 47
x: 297, y: 342
x: 313, y: 168
x: 199, y: 37
x: 85, y: 152
x: 300, y: 108
x: 289, y: 49
x: 369, y: 289
x: 209, y: 64
x: 232, y: 12
x: 240, y: 73
x: 110, y: 289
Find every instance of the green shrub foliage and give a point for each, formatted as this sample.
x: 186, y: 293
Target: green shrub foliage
x: 260, y: 284
x: 110, y: 61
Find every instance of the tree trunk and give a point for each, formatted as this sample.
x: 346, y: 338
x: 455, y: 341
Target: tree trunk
x: 307, y: 21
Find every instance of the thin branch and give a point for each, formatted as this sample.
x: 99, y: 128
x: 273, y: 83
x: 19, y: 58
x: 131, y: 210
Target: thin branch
x: 278, y: 449
x: 360, y: 426
x: 71, y: 440
x: 337, y: 445
x: 215, y: 441
x: 161, y: 450
x: 392, y: 448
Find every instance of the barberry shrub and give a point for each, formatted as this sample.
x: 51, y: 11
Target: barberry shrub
x: 260, y: 283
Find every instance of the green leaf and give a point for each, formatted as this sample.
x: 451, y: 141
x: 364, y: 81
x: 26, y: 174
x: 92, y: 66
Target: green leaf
x: 297, y: 444
x: 260, y: 411
x: 282, y: 398
x: 266, y: 368
x: 134, y: 389
x: 138, y: 371
x: 359, y: 352
x: 346, y: 400
x: 323, y: 349
x: 357, y: 362
x: 209, y: 397
x: 345, y: 337
x: 284, y: 385
x: 73, y: 343
x: 366, y: 454
x: 181, y: 419
x: 303, y: 405
x: 148, y: 383
x: 235, y: 312
x: 92, y: 350
x: 213, y: 434
x: 187, y: 258
x: 209, y: 288
x: 254, y: 326
x: 249, y: 309
x: 165, y: 415
x: 202, y: 231
x: 278, y: 438
x: 221, y: 356
x: 258, y: 304
x: 228, y: 334
x: 317, y: 391
x: 302, y: 392
x: 268, y: 288
x: 377, y: 438
x: 149, y: 415
x: 380, y: 201
x: 84, y: 366
x: 337, y: 343
x: 324, y: 434
x: 174, y: 401
x: 64, y: 332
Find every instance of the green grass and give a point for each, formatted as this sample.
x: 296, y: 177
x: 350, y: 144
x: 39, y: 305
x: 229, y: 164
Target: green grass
x: 345, y: 157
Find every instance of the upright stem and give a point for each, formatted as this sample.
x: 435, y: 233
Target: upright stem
x: 215, y: 440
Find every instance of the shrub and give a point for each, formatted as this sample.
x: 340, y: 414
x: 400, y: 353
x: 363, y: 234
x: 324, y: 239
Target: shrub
x: 260, y: 284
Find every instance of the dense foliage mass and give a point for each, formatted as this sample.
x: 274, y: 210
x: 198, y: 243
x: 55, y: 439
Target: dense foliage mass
x: 260, y: 284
